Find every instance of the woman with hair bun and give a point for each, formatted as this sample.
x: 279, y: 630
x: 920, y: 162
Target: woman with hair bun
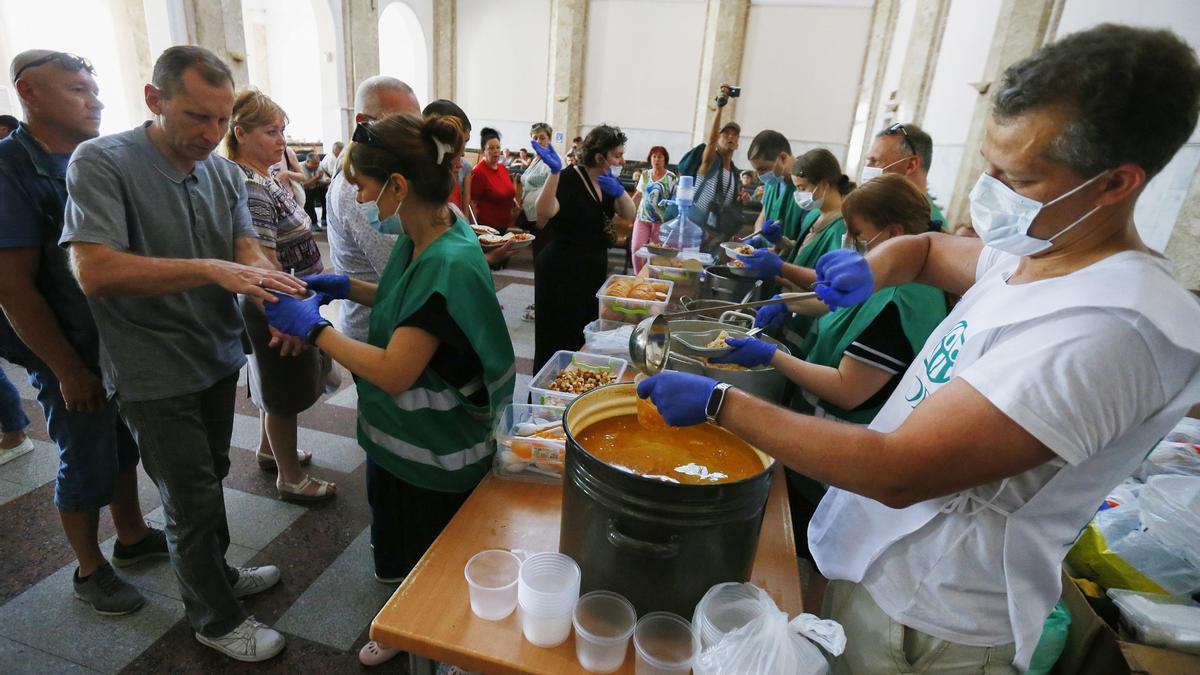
x: 490, y: 195
x: 438, y: 364
x: 281, y: 386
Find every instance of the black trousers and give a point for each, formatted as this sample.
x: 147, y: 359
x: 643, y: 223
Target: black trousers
x: 405, y: 519
x: 314, y: 197
x: 565, y: 281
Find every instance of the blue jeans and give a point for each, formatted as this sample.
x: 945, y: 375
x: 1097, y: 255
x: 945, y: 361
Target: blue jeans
x: 12, y: 415
x: 92, y: 447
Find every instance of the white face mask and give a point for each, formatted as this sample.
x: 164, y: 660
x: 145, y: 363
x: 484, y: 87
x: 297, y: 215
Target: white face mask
x: 870, y: 172
x: 1002, y: 217
x: 806, y: 200
x: 854, y: 244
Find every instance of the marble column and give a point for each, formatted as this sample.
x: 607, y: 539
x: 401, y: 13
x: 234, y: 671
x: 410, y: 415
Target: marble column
x: 870, y: 88
x: 360, y: 37
x: 1022, y: 27
x: 920, y: 59
x: 1183, y: 248
x: 568, y: 43
x: 720, y: 61
x: 445, y: 49
x: 216, y: 25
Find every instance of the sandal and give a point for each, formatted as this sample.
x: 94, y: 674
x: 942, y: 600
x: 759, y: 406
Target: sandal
x: 373, y: 654
x: 297, y: 492
x: 266, y: 461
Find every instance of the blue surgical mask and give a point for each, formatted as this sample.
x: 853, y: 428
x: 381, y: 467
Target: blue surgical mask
x: 769, y: 178
x: 1002, y: 217
x: 389, y: 225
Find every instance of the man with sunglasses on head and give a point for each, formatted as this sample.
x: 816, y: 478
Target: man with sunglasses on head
x: 908, y: 150
x: 50, y: 331
x: 161, y: 241
x: 1072, y: 352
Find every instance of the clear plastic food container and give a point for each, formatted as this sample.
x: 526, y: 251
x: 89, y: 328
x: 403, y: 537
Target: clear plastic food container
x: 539, y: 386
x: 526, y: 444
x: 630, y: 310
x: 686, y: 283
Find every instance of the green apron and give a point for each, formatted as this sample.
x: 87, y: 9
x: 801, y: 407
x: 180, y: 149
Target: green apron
x: 432, y: 435
x: 777, y: 201
x: 921, y: 307
x: 796, y: 328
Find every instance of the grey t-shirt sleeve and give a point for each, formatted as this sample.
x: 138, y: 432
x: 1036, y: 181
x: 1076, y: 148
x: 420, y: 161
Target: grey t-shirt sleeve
x: 95, y: 211
x: 243, y: 225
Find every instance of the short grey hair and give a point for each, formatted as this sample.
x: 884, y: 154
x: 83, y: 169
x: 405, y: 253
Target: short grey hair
x: 368, y: 98
x: 914, y: 139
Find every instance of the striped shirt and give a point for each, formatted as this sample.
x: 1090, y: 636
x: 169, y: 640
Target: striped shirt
x: 280, y: 223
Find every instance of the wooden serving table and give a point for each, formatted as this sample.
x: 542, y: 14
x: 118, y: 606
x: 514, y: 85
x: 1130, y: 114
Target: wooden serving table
x: 430, y: 616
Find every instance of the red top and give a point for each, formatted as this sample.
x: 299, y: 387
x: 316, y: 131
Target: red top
x: 492, y: 194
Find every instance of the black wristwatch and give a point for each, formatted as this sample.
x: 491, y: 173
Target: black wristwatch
x: 715, y: 399
x: 311, y: 337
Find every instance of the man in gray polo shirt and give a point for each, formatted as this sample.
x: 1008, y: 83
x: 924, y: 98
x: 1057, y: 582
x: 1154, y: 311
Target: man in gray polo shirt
x: 161, y: 241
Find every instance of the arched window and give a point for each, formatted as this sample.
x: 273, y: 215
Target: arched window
x: 403, y: 52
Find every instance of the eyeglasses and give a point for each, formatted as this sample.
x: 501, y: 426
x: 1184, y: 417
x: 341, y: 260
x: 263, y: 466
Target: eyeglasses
x: 70, y: 62
x: 898, y: 128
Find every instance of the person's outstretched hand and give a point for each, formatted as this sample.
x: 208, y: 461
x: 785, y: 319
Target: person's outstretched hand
x: 770, y: 316
x: 295, y: 317
x: 747, y: 352
x: 763, y: 263
x: 332, y: 286
x: 549, y: 156
x: 681, y: 398
x: 610, y: 185
x: 844, y: 278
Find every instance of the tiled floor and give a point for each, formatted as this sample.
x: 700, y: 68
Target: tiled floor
x: 324, y: 603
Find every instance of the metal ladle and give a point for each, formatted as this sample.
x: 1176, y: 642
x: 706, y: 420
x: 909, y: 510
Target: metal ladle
x: 650, y: 340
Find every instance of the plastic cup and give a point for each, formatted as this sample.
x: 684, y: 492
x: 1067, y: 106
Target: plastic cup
x: 603, y: 622
x: 492, y: 582
x: 547, y: 589
x: 725, y: 608
x: 665, y: 644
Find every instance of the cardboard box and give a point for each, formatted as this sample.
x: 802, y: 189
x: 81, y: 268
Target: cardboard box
x: 1094, y: 648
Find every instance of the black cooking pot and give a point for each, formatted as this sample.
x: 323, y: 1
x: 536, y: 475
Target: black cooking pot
x: 661, y: 545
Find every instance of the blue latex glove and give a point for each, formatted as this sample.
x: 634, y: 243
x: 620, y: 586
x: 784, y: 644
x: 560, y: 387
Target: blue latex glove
x: 747, y: 352
x: 770, y: 316
x: 549, y: 156
x: 844, y: 278
x: 681, y: 397
x: 763, y: 263
x: 768, y: 236
x: 295, y: 317
x: 610, y: 186
x: 332, y: 286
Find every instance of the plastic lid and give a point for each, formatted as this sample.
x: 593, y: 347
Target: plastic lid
x: 685, y: 189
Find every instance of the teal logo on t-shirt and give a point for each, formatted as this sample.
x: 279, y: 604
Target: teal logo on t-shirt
x: 939, y: 365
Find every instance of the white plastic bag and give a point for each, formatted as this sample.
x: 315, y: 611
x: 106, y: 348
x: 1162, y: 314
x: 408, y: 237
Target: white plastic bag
x: 1170, y: 457
x: 771, y: 644
x: 1162, y: 620
x: 608, y: 341
x: 1171, y: 514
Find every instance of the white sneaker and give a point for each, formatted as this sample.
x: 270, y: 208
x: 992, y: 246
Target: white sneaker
x: 253, y: 580
x: 251, y: 641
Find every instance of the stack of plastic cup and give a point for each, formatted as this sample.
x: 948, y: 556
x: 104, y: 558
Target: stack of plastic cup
x: 665, y: 644
x: 546, y: 593
x: 603, y: 622
x: 492, y: 582
x: 724, y: 609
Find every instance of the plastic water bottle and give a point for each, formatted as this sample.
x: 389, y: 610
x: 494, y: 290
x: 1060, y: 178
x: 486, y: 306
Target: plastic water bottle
x: 681, y: 233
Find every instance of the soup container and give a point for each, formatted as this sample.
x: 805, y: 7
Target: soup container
x: 665, y: 644
x: 766, y: 382
x: 492, y: 583
x: 661, y: 545
x: 720, y: 283
x: 603, y: 623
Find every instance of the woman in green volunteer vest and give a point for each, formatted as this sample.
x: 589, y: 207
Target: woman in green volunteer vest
x: 820, y: 187
x: 855, y: 356
x: 438, y: 364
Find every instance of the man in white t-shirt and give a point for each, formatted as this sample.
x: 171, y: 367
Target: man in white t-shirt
x: 1072, y: 352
